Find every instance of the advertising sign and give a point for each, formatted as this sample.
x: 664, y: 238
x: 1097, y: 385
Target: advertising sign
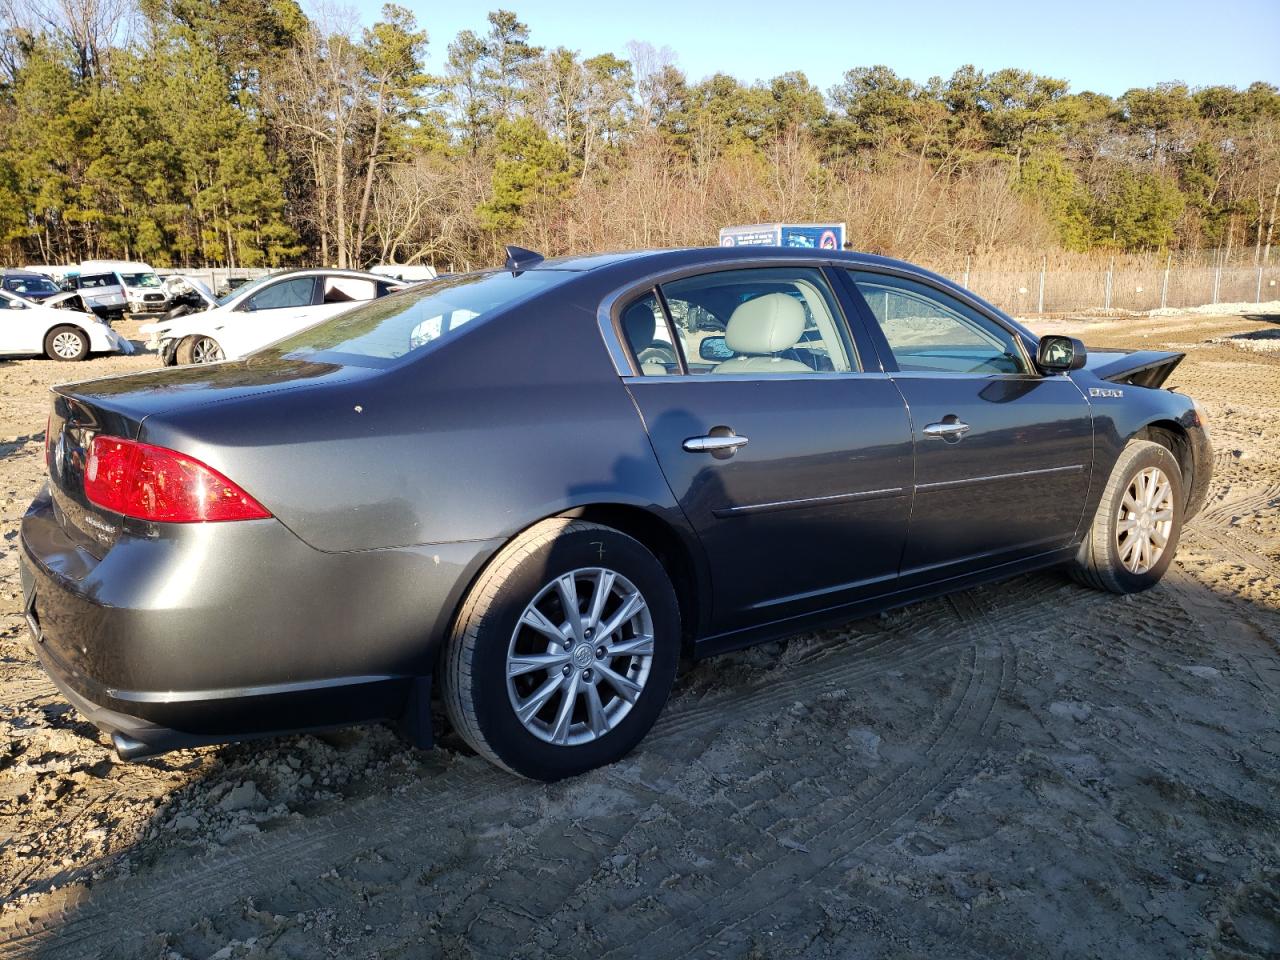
x: 813, y: 236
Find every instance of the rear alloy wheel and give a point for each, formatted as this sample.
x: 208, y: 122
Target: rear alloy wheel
x: 199, y: 349
x: 66, y: 343
x: 1135, y: 531
x: 564, y: 652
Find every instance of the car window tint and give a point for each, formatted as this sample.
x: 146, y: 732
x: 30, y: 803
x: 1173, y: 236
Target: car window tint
x: 348, y: 289
x: 644, y: 326
x: 769, y: 321
x: 928, y: 330
x: 287, y: 293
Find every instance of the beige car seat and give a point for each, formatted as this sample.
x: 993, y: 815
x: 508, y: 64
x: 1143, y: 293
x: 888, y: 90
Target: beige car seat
x: 760, y: 329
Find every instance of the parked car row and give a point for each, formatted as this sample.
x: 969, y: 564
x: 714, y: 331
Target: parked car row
x: 66, y: 312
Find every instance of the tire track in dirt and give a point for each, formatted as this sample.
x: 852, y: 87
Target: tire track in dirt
x: 182, y: 893
x: 950, y: 747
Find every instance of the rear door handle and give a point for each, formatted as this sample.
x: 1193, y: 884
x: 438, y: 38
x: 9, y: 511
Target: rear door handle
x: 951, y: 428
x: 711, y: 444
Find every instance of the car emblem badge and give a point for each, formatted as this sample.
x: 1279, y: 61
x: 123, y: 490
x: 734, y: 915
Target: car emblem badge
x: 60, y: 455
x: 1105, y: 392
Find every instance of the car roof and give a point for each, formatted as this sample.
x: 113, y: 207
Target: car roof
x: 23, y: 273
x: 336, y: 271
x: 677, y: 256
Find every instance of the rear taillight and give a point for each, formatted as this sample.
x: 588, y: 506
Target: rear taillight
x: 152, y: 483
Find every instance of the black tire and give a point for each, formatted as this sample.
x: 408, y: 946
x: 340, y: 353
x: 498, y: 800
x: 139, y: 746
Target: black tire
x: 473, y: 671
x: 66, y: 343
x: 1098, y: 563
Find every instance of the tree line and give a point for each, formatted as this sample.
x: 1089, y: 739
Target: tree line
x: 250, y: 132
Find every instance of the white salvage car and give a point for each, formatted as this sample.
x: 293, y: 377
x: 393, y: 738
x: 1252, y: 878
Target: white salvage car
x: 250, y: 317
x: 30, y: 329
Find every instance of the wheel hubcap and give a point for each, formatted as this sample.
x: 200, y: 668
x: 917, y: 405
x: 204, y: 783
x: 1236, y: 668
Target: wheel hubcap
x: 579, y: 656
x: 66, y: 345
x: 1145, y: 520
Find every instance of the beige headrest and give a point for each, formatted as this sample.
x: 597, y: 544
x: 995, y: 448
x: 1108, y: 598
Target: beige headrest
x: 765, y: 325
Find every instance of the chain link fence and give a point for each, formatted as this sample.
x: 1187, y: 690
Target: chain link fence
x: 1049, y: 290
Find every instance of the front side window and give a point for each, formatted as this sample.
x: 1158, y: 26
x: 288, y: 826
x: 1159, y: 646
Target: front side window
x: 287, y: 293
x: 929, y: 331
x: 769, y: 321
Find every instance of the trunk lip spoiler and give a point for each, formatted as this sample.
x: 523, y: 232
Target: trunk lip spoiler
x: 1116, y: 367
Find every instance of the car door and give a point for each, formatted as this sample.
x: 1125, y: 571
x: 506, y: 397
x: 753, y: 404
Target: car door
x: 1003, y: 453
x: 21, y: 330
x: 271, y: 312
x: 793, y: 464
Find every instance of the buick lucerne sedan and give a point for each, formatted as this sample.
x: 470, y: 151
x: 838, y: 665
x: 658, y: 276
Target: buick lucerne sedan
x: 529, y: 491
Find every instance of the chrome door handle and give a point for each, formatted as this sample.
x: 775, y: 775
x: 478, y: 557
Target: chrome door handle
x: 949, y: 429
x: 714, y: 444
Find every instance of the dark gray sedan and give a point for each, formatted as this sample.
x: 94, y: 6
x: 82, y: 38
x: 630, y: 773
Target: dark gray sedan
x: 532, y: 489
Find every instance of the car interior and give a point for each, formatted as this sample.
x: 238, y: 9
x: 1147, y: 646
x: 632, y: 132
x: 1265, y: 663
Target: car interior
x: 772, y: 322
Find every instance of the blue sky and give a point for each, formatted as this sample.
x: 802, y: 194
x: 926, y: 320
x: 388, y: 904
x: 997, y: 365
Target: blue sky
x: 1103, y: 46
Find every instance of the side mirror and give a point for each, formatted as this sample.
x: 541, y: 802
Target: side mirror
x: 1060, y: 354
x: 714, y: 349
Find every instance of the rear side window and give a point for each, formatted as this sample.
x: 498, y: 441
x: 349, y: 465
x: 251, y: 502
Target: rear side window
x: 348, y: 289
x: 769, y: 321
x: 297, y: 292
x: 389, y: 328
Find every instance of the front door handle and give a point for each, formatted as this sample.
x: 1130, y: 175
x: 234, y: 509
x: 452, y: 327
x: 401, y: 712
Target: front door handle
x: 722, y: 445
x: 951, y: 428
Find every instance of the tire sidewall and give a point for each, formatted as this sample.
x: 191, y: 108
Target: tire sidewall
x: 501, y: 728
x: 1149, y: 455
x: 58, y: 331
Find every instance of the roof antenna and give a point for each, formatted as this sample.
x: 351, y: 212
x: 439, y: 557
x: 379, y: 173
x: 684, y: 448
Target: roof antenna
x: 518, y: 258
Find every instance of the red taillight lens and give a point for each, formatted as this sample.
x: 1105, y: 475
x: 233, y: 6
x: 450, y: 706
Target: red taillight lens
x: 152, y: 483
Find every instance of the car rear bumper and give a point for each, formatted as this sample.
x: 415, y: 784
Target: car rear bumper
x: 161, y: 657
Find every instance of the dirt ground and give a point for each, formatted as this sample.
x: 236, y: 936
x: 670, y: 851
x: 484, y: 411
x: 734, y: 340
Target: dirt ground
x: 1025, y: 770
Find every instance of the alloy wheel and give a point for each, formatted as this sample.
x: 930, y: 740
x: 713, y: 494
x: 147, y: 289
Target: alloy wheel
x: 205, y: 350
x: 1145, y: 521
x: 579, y: 656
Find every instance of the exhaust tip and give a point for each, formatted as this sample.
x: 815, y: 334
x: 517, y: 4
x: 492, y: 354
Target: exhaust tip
x: 129, y: 749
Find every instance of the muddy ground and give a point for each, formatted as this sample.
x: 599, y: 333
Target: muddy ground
x: 1025, y: 770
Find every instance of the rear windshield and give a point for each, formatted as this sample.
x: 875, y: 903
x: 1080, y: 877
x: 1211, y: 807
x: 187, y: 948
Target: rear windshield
x: 25, y: 285
x: 396, y: 326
